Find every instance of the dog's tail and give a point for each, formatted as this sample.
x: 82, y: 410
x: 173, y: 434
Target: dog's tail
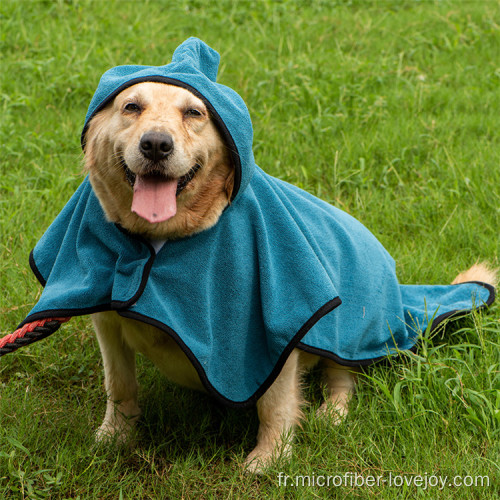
x: 480, y: 271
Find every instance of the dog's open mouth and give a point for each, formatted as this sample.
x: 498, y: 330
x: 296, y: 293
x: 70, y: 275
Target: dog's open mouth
x: 155, y: 196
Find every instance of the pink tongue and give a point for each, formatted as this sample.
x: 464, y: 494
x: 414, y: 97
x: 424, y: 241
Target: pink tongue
x: 154, y: 198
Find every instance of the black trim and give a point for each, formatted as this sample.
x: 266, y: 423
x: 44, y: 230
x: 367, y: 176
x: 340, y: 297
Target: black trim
x: 35, y: 269
x: 456, y: 313
x: 64, y: 313
x: 122, y: 304
x: 121, y: 309
x: 172, y: 81
x: 114, y: 305
x: 325, y: 309
x: 462, y: 312
x: 341, y: 361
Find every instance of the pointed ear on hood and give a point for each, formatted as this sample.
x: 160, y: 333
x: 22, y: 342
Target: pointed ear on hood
x: 197, y: 54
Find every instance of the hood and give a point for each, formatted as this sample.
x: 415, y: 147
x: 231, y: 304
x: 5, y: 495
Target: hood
x: 194, y: 67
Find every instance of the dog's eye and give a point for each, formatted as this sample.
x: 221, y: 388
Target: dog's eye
x: 132, y: 107
x: 192, y: 112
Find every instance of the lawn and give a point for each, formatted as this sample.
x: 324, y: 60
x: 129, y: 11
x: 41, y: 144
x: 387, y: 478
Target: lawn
x: 388, y: 110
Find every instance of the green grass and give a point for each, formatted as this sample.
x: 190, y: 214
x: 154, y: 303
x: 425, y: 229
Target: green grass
x: 389, y: 110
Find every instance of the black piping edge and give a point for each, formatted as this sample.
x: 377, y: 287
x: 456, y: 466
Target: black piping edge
x: 295, y: 342
x: 341, y: 361
x: 463, y: 312
x: 64, y: 313
x: 35, y: 269
x: 122, y: 304
x: 178, y: 83
x: 456, y: 313
x: 114, y: 305
x: 322, y: 311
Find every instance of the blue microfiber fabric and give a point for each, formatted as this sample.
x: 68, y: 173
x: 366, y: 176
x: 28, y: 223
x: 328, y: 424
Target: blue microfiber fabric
x: 280, y: 269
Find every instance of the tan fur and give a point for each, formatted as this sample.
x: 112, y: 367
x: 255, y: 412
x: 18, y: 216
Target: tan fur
x: 480, y: 271
x: 113, y: 135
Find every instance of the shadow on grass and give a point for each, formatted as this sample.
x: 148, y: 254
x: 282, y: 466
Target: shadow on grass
x: 179, y: 422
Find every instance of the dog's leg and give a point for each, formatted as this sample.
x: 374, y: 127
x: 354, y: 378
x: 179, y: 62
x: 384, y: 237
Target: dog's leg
x: 340, y: 382
x: 122, y: 409
x: 279, y: 412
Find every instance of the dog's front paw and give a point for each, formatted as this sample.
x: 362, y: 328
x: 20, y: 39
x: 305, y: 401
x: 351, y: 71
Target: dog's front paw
x: 257, y: 461
x: 107, y: 434
x: 119, y: 422
x: 261, y: 458
x: 119, y: 432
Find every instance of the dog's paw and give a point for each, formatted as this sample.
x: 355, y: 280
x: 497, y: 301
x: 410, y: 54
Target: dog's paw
x: 119, y: 422
x: 110, y: 433
x: 261, y: 458
x: 257, y: 462
x: 334, y: 413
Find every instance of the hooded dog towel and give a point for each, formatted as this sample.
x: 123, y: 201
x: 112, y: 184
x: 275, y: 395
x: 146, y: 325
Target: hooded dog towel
x: 280, y: 269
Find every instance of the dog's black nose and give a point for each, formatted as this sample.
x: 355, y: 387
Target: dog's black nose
x: 156, y: 145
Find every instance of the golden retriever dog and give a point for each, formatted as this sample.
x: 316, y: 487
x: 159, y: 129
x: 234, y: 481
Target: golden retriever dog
x: 151, y: 132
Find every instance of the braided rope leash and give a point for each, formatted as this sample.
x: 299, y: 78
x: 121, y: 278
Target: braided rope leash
x: 29, y: 333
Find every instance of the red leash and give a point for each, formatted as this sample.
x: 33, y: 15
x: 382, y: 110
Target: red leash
x: 29, y: 333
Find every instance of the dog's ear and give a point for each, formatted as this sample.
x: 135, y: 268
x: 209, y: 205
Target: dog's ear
x: 94, y: 137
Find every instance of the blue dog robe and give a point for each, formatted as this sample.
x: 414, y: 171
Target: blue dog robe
x: 280, y: 269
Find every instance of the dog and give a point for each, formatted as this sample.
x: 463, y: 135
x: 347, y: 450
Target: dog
x: 154, y: 132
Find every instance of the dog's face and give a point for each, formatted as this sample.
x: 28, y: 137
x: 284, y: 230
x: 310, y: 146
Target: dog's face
x: 157, y: 162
